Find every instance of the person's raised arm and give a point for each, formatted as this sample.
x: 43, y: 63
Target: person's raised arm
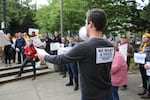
x: 76, y: 54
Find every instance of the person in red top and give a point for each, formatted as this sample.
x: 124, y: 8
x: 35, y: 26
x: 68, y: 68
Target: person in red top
x: 30, y: 53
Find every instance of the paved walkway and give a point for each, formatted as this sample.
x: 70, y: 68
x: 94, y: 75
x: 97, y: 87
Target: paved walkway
x: 52, y: 87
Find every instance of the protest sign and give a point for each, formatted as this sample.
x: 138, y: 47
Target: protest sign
x: 36, y: 41
x: 54, y: 46
x: 33, y: 30
x: 139, y: 58
x: 41, y: 51
x: 123, y: 50
x: 3, y: 39
x: 148, y: 70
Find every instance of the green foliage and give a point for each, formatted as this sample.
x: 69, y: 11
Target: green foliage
x: 19, y: 15
x: 144, y: 14
x: 123, y: 15
x: 48, y: 17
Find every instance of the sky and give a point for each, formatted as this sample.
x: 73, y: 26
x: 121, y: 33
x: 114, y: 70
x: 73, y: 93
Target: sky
x: 40, y: 2
x: 143, y: 3
x: 44, y: 2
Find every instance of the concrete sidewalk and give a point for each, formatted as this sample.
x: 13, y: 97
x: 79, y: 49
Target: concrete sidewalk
x: 52, y: 87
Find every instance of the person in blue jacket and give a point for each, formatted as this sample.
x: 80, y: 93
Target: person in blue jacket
x: 19, y: 46
x: 72, y: 68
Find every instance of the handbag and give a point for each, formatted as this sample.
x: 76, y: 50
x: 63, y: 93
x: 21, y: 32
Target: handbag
x: 37, y: 59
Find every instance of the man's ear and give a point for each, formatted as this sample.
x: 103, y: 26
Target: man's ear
x: 90, y: 23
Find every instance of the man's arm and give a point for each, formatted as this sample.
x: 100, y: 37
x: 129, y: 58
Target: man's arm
x: 76, y: 54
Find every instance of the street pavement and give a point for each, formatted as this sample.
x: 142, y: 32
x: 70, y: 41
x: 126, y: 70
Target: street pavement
x: 52, y: 87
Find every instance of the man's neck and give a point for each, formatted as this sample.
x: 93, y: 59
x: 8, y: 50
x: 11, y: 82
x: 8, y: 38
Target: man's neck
x: 98, y: 35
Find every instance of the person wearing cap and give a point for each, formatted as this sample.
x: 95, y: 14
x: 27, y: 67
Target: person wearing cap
x: 145, y: 48
x: 130, y: 53
x: 30, y: 53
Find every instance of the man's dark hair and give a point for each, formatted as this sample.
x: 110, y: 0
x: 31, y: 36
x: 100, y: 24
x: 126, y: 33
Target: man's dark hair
x: 98, y: 17
x: 71, y: 37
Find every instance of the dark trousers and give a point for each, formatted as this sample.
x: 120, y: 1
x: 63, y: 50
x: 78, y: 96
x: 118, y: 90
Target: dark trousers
x: 21, y: 52
x: 128, y: 62
x: 143, y: 75
x: 7, y: 54
x: 103, y: 98
x: 26, y: 61
x: 73, y: 73
x: 54, y: 52
x: 14, y: 56
x: 47, y: 48
x: 115, y: 94
x: 63, y: 69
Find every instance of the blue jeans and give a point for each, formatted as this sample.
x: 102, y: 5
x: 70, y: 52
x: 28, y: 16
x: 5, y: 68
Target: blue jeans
x: 73, y: 72
x: 115, y: 92
x: 27, y: 60
x: 104, y: 98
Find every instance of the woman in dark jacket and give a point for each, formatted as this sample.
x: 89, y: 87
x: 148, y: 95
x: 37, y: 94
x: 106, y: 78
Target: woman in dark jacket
x: 8, y: 51
x: 145, y: 48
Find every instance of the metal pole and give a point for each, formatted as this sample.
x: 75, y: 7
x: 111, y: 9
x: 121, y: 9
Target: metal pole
x: 61, y: 17
x: 4, y: 15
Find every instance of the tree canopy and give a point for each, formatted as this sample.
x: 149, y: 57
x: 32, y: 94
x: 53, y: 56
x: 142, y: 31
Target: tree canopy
x: 123, y: 15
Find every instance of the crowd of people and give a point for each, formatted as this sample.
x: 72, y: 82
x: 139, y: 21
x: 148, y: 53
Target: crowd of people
x: 102, y: 66
x: 22, y: 46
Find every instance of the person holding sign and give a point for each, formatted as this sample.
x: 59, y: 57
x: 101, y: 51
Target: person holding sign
x: 63, y: 67
x: 55, y: 40
x: 94, y: 57
x: 127, y: 51
x: 8, y: 51
x: 128, y: 47
x: 145, y: 48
